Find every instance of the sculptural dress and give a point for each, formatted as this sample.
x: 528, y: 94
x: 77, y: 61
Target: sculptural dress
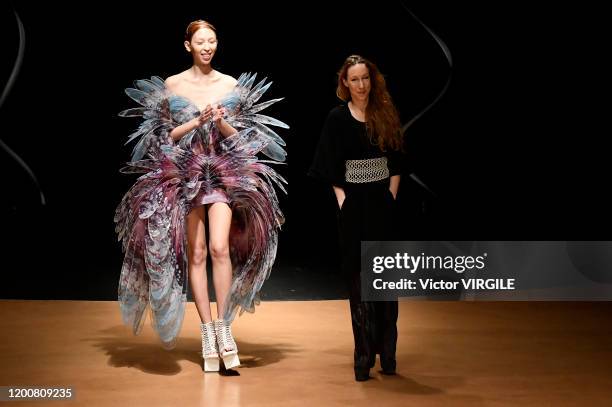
x: 202, y: 168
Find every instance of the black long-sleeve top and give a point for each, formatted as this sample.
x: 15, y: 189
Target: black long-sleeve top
x: 345, y: 138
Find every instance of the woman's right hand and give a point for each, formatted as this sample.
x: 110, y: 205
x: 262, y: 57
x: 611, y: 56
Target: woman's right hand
x: 340, y: 196
x: 205, y: 116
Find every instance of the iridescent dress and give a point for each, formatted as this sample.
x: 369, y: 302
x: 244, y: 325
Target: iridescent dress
x: 202, y: 168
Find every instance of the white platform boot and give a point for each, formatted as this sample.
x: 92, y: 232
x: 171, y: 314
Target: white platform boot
x: 210, y: 354
x: 227, y: 346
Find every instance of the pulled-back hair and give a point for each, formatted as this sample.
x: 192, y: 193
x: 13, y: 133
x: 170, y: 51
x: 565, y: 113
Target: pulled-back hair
x: 195, y: 26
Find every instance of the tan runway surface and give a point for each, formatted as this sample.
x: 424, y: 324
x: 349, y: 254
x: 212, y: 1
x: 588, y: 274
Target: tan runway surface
x: 299, y: 353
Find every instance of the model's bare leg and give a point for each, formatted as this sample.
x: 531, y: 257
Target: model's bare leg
x: 196, y: 252
x: 196, y: 255
x: 220, y: 220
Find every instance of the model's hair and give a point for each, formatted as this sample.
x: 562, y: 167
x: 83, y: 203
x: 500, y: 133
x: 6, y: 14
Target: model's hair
x: 382, y: 119
x: 195, y: 26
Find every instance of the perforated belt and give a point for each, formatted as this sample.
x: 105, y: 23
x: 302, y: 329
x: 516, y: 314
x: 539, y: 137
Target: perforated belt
x: 370, y: 170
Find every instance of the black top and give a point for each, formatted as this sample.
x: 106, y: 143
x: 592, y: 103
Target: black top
x: 345, y: 138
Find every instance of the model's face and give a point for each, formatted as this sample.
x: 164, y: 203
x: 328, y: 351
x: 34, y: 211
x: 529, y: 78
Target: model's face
x: 203, y: 45
x: 358, y: 82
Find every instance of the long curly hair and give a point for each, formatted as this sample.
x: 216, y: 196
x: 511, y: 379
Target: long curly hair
x: 382, y: 119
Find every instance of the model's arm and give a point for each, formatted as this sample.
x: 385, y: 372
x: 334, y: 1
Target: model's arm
x: 224, y: 128
x: 328, y: 163
x: 217, y: 115
x: 394, y: 185
x: 178, y: 132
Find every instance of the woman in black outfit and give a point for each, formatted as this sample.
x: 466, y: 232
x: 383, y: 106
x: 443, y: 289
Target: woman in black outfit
x: 359, y: 154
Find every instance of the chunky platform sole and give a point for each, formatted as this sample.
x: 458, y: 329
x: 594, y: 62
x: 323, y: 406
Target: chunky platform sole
x: 230, y: 360
x: 211, y: 364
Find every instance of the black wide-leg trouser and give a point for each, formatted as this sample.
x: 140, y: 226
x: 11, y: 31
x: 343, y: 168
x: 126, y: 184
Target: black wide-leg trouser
x: 368, y: 213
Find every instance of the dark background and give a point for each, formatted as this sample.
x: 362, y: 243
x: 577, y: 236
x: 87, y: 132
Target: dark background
x: 513, y: 151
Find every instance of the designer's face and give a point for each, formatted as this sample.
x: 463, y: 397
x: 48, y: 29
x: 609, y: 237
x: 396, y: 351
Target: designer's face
x: 358, y: 82
x: 203, y: 45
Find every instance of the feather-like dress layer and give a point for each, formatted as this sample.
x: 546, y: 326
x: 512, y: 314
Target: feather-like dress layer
x: 203, y: 168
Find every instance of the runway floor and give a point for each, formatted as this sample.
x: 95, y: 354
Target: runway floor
x: 298, y: 353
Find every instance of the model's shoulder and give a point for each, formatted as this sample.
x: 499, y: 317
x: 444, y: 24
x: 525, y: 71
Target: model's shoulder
x: 174, y: 81
x: 228, y: 80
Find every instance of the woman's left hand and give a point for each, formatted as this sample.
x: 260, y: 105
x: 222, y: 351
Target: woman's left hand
x: 218, y: 114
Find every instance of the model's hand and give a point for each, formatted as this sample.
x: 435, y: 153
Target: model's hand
x: 394, y: 195
x: 218, y: 114
x: 205, y: 115
x: 340, y: 196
